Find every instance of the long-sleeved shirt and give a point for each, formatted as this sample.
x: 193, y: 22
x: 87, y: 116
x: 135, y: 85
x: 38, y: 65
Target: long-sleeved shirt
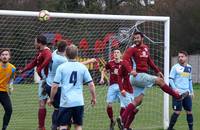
x: 142, y: 59
x: 181, y: 78
x: 41, y: 61
x: 123, y: 78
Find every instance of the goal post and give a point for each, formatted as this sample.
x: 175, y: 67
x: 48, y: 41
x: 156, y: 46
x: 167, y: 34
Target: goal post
x: 100, y: 34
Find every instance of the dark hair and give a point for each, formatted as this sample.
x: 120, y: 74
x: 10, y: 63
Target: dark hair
x: 183, y: 52
x: 41, y: 39
x: 72, y: 51
x: 139, y: 33
x: 61, y: 45
x: 4, y: 49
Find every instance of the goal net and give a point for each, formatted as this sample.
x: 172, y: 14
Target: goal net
x: 96, y: 36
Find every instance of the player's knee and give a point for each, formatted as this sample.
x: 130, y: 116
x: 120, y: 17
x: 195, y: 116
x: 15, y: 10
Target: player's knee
x: 189, y: 112
x: 177, y: 112
x: 42, y: 103
x: 109, y: 105
x: 63, y: 128
x: 138, y: 100
x: 160, y: 81
x: 78, y: 127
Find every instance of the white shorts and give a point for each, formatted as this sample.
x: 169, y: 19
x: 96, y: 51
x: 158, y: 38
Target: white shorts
x: 124, y: 101
x: 113, y: 93
x: 142, y: 81
x: 40, y: 90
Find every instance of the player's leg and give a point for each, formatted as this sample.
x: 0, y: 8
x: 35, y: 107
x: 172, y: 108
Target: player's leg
x: 78, y: 117
x: 130, y: 111
x: 64, y: 117
x: 187, y: 105
x: 56, y: 104
x: 6, y: 103
x: 112, y: 96
x: 42, y: 107
x: 161, y: 83
x: 124, y: 103
x: 177, y: 107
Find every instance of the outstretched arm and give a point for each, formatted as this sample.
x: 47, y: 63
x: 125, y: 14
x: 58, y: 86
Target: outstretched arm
x: 93, y: 60
x: 30, y: 65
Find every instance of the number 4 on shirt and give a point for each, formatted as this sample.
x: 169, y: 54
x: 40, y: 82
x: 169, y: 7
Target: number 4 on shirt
x: 73, y: 77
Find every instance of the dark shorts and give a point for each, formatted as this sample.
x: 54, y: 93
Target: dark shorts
x: 56, y: 102
x: 66, y: 114
x: 186, y: 103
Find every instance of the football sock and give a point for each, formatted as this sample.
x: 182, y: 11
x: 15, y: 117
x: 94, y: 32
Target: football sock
x: 130, y: 118
x: 125, y: 114
x: 110, y: 113
x: 41, y: 117
x: 170, y: 91
x: 190, y: 121
x: 173, y: 120
x: 121, y: 111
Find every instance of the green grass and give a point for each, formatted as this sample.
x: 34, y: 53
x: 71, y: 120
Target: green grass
x: 25, y: 106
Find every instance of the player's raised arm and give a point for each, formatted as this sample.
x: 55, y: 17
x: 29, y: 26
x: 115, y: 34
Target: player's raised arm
x: 30, y: 65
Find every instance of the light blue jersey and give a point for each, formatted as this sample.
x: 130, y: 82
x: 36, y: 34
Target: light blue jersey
x: 181, y: 78
x: 71, y: 76
x: 56, y: 61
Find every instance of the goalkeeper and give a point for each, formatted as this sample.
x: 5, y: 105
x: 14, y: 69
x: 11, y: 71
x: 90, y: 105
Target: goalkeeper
x: 7, y: 73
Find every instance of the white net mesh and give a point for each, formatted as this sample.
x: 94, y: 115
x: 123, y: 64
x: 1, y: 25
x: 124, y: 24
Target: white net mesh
x: 95, y: 38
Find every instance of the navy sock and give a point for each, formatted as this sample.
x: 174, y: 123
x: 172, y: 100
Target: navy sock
x: 173, y: 120
x: 190, y: 121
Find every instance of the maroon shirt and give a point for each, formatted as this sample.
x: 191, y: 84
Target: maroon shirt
x: 113, y: 68
x: 41, y: 61
x: 142, y: 58
x: 123, y: 78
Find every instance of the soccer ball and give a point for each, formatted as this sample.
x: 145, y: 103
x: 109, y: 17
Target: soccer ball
x: 44, y: 15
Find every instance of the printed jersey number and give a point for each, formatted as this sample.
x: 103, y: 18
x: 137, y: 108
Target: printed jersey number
x: 73, y: 77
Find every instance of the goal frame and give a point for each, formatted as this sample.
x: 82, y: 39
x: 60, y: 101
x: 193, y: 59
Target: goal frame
x: 165, y: 19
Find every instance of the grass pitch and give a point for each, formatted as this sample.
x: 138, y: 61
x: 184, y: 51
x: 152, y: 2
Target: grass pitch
x: 25, y: 107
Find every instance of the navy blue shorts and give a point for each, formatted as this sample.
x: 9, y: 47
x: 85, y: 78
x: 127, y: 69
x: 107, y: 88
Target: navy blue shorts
x: 56, y: 102
x: 66, y: 114
x: 186, y: 103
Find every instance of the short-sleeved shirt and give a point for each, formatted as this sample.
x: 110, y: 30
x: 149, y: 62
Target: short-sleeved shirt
x: 7, y: 72
x: 55, y: 62
x: 72, y: 75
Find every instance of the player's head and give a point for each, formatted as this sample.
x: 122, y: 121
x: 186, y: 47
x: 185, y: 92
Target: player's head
x: 182, y: 57
x: 5, y: 55
x: 40, y: 41
x: 61, y: 45
x: 138, y: 38
x: 72, y: 51
x: 117, y: 54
